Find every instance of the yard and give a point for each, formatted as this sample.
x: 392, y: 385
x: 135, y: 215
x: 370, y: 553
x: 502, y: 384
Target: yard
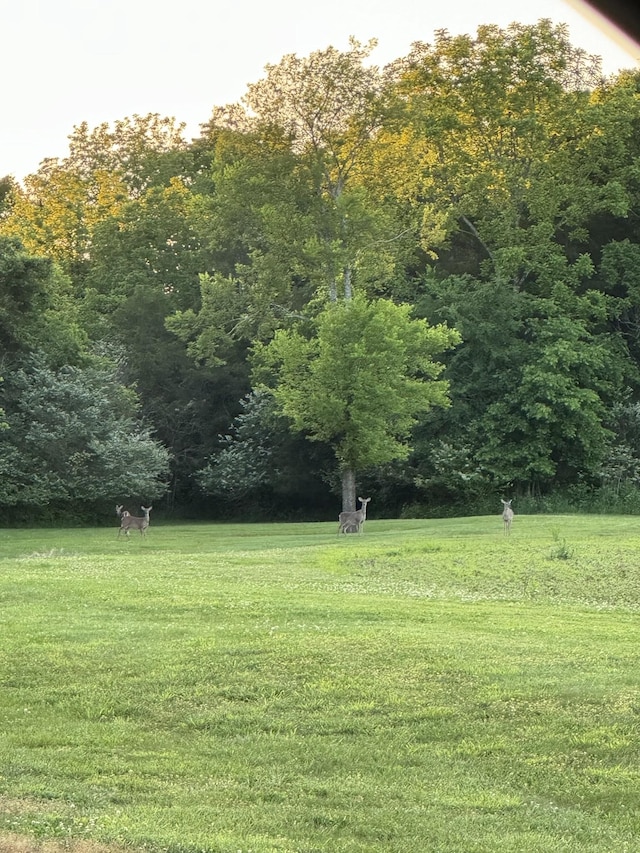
x: 431, y: 686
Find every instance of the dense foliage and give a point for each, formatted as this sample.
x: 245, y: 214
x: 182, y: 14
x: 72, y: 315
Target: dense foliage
x: 245, y: 291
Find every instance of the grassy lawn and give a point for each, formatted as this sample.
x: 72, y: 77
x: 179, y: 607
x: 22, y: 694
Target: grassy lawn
x: 431, y: 685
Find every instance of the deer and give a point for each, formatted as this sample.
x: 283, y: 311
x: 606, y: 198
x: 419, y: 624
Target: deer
x: 129, y: 522
x: 507, y: 516
x: 121, y: 512
x: 349, y: 520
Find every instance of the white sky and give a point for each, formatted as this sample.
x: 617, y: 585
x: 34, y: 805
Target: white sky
x: 63, y: 62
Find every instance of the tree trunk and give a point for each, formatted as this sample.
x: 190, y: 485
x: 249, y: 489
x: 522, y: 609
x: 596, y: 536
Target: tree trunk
x: 348, y: 490
x: 348, y: 292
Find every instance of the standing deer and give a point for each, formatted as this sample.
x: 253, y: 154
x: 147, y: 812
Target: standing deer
x: 354, y: 519
x: 507, y: 516
x: 129, y: 522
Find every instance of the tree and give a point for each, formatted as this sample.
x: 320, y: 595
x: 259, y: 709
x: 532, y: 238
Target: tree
x: 359, y: 381
x: 327, y: 104
x: 322, y: 113
x: 531, y: 384
x: 263, y: 469
x: 620, y: 473
x: 56, y: 212
x: 507, y: 149
x: 145, y: 266
x: 619, y: 276
x: 37, y: 312
x: 145, y: 151
x: 8, y: 186
x: 23, y: 295
x: 74, y: 438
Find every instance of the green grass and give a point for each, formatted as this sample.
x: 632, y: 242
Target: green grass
x: 427, y: 686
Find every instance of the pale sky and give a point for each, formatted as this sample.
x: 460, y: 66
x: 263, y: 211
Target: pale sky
x: 63, y: 62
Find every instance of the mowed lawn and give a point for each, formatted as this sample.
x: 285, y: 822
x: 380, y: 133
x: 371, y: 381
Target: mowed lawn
x: 430, y: 685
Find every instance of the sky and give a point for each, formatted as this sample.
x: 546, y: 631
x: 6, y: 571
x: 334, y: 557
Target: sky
x: 64, y: 62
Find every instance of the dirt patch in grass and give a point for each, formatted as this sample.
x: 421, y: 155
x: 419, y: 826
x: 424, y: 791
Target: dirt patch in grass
x: 10, y: 843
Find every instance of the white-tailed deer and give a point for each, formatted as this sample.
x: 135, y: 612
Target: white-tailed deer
x: 507, y: 516
x: 351, y: 520
x: 120, y: 511
x: 133, y: 522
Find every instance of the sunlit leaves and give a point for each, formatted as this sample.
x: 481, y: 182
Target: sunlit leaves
x: 514, y: 150
x: 361, y: 380
x: 59, y: 207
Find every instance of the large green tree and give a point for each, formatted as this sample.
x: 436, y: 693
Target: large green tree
x: 56, y: 210
x: 74, y: 440
x: 286, y: 192
x: 145, y: 266
x: 532, y: 384
x: 72, y: 431
x: 358, y: 381
x: 508, y: 150
x: 516, y: 153
x: 327, y: 106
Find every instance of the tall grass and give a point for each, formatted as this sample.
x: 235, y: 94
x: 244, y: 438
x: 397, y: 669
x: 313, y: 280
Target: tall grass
x: 427, y: 686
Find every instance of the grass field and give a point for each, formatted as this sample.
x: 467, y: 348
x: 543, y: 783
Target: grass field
x: 431, y: 685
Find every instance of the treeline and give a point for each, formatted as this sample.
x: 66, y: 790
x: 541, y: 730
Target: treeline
x: 420, y: 282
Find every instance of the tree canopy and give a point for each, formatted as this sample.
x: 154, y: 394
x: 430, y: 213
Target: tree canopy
x: 424, y: 274
x: 360, y: 382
